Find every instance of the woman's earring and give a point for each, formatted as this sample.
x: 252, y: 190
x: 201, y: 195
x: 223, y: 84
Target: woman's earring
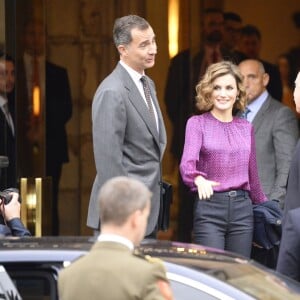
x: 237, y: 98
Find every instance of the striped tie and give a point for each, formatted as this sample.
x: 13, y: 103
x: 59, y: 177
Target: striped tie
x: 148, y: 97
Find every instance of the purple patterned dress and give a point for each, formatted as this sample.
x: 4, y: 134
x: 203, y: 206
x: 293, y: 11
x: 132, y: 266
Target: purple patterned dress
x: 222, y: 152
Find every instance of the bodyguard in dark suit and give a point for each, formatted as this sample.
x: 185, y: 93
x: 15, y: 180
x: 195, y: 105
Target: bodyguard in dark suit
x: 129, y: 135
x: 292, y: 199
x: 7, y: 148
x: 111, y: 270
x: 289, y: 252
x: 7, y: 120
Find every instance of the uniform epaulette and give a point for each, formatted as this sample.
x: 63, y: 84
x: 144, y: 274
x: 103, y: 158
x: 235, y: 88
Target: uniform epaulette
x: 137, y: 253
x: 154, y: 260
x: 150, y: 259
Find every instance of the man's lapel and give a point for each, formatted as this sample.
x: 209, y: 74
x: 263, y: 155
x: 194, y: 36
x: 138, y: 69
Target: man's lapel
x: 138, y: 102
x: 261, y: 114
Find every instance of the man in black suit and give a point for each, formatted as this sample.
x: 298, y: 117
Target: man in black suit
x: 292, y: 199
x: 289, y: 252
x: 7, y: 120
x: 54, y: 86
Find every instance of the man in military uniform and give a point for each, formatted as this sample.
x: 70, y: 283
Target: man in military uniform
x: 111, y: 270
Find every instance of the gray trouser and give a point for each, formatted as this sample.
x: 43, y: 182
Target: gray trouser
x: 225, y: 221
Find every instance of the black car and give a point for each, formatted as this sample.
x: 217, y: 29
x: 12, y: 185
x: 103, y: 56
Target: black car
x: 195, y: 272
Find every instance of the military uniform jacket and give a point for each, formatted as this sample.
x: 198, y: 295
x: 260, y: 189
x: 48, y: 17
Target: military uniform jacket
x: 111, y: 272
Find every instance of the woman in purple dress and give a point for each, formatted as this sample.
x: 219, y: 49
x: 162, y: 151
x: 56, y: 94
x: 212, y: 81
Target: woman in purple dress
x: 219, y: 163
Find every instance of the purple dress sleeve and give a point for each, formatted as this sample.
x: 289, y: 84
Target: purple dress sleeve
x: 190, y: 157
x: 256, y: 193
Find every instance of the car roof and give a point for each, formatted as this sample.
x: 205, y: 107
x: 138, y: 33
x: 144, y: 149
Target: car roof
x: 47, y: 249
x: 67, y: 247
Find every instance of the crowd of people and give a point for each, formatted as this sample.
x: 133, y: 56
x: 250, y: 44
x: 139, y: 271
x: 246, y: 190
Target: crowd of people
x: 235, y: 137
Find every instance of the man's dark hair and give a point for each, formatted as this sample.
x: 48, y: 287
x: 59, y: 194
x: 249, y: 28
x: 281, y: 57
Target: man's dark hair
x: 212, y: 10
x: 232, y: 17
x: 250, y: 30
x: 6, y: 57
x: 124, y: 25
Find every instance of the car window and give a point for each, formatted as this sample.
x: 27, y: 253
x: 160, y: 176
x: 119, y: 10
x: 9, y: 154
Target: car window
x: 35, y: 284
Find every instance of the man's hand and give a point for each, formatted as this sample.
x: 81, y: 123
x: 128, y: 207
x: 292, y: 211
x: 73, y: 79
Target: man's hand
x: 205, y: 187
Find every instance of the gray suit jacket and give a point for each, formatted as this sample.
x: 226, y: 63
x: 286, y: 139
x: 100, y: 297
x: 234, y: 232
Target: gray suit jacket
x: 110, y: 271
x: 126, y: 141
x: 276, y: 134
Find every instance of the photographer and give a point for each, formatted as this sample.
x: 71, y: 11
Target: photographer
x: 10, y: 222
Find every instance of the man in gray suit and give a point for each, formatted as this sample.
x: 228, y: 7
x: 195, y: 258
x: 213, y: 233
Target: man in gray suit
x: 276, y: 130
x: 111, y: 270
x: 128, y: 130
x: 276, y: 134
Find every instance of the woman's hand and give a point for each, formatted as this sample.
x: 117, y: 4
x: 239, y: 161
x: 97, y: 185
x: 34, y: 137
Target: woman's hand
x: 205, y: 187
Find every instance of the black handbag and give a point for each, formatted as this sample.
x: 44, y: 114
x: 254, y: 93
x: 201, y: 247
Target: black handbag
x: 166, y: 198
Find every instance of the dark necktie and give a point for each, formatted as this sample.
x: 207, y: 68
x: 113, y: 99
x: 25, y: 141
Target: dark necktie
x: 148, y: 97
x: 245, y: 113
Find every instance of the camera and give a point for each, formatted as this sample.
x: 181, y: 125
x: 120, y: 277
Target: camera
x: 5, y: 196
